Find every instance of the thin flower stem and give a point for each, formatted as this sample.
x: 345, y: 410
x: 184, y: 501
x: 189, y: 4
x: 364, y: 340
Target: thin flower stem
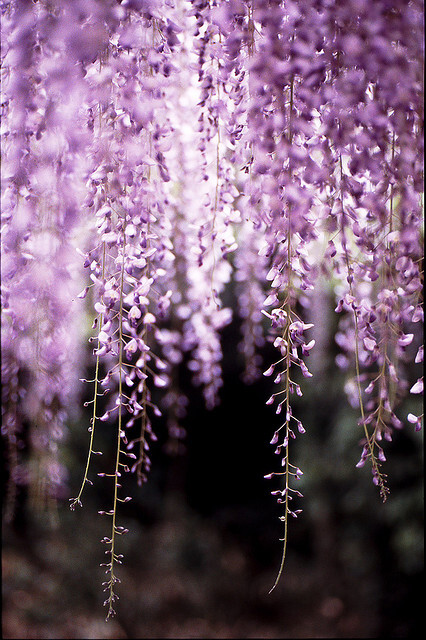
x: 113, y: 557
x: 77, y: 500
x: 287, y: 463
x: 287, y: 338
x: 369, y: 439
x: 144, y: 369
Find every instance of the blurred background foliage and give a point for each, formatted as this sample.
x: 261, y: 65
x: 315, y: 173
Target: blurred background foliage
x: 203, y: 547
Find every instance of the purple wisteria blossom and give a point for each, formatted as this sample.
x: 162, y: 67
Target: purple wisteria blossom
x: 159, y: 155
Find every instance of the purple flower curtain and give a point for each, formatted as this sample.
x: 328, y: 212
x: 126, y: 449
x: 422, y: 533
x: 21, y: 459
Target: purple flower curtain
x: 156, y: 151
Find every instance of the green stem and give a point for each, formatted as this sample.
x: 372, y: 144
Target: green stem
x: 77, y: 500
x: 370, y: 440
x: 117, y: 460
x: 286, y: 337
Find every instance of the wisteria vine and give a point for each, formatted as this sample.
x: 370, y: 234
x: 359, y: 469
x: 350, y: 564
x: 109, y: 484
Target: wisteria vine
x: 156, y: 151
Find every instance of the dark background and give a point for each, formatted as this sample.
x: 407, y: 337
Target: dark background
x: 203, y: 548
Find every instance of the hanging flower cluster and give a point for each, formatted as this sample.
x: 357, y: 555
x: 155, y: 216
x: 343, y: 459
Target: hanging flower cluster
x: 156, y: 150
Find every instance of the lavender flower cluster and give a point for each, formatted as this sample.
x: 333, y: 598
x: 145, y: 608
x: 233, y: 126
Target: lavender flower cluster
x: 156, y: 150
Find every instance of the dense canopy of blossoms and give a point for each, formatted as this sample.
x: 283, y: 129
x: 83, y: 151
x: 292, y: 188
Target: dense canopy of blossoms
x: 153, y: 152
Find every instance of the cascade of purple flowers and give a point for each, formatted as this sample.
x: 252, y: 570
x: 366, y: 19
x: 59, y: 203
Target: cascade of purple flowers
x: 155, y: 150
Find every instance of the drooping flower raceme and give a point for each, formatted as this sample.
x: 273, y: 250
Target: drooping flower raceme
x: 158, y: 153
